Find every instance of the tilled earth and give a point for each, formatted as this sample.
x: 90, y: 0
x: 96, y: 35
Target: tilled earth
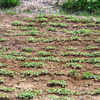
x: 42, y: 35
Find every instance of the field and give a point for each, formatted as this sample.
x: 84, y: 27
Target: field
x: 49, y: 57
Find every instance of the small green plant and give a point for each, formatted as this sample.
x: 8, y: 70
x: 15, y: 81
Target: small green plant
x: 88, y: 75
x: 39, y: 20
x: 75, y: 26
x: 86, y: 20
x: 43, y: 24
x: 32, y: 64
x: 7, y: 89
x: 83, y: 32
x: 4, y: 96
x: 74, y: 38
x: 31, y: 39
x: 57, y: 24
x: 77, y: 60
x: 26, y: 49
x: 27, y: 19
x: 46, y: 40
x: 22, y: 80
x: 87, y: 39
x: 72, y: 53
x: 91, y: 48
x: 14, y: 53
x: 70, y: 48
x: 73, y: 65
x: 25, y: 28
x: 29, y: 94
x: 2, y: 64
x: 97, y: 34
x: 12, y: 12
x: 20, y: 58
x: 94, y: 60
x: 50, y: 47
x: 77, y: 93
x: 17, y: 24
x: 98, y: 20
x: 71, y: 72
x: 97, y: 40
x: 2, y: 39
x: 74, y: 19
x: 56, y: 19
x: 60, y: 98
x: 49, y: 58
x: 59, y: 91
x: 43, y: 53
x: 97, y: 65
x: 61, y: 83
x: 33, y: 73
x: 1, y: 80
x: 91, y: 24
x: 51, y: 29
x: 7, y: 72
x: 29, y: 24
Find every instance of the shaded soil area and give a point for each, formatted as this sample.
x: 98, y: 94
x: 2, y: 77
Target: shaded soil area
x: 17, y: 36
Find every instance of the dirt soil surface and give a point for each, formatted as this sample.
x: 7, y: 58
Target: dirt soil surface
x: 16, y: 37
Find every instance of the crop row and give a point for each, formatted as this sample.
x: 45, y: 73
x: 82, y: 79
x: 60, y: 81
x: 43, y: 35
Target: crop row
x: 43, y: 18
x: 83, y: 75
x: 32, y: 64
x: 72, y: 53
x: 28, y: 94
x: 47, y: 40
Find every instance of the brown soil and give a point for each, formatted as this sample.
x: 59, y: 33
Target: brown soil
x: 16, y: 43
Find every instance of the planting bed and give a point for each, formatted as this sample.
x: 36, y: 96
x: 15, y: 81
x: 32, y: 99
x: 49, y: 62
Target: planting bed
x: 49, y: 57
